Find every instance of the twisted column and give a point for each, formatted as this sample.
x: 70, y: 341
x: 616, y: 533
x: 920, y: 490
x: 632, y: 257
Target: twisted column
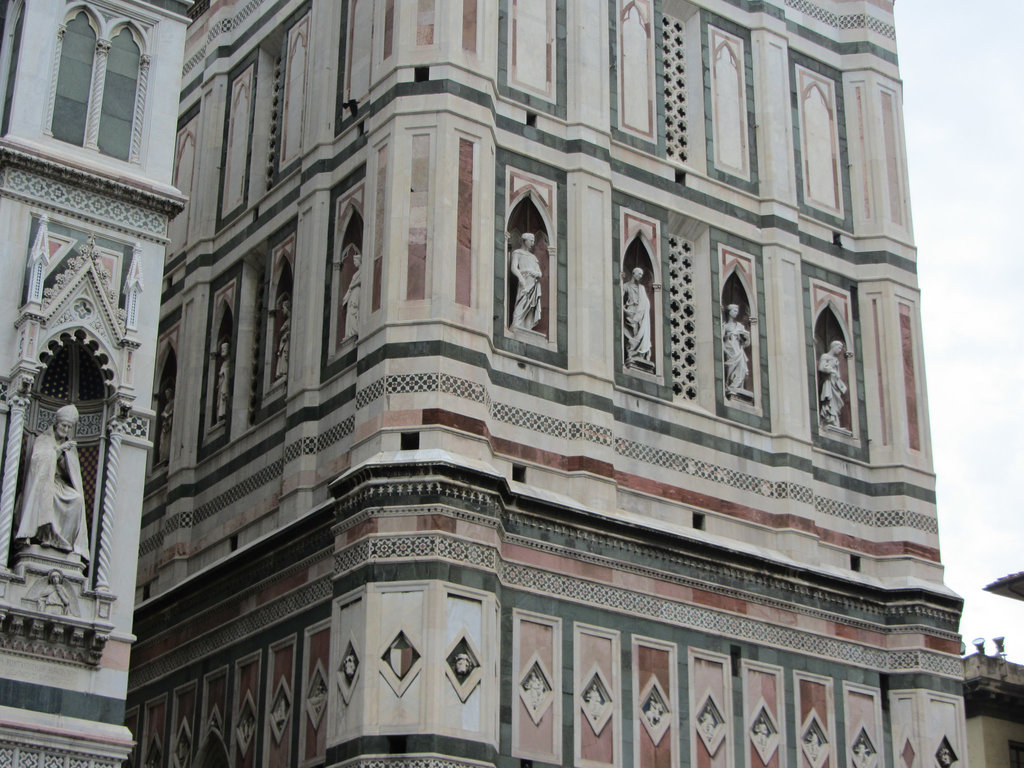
x: 140, y: 108
x: 116, y: 432
x: 99, y: 78
x: 48, y: 124
x: 15, y: 430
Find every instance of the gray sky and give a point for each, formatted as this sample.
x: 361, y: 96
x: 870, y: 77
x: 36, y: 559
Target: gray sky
x: 964, y: 115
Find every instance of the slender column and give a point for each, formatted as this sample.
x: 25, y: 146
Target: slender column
x: 140, y: 108
x: 99, y: 77
x: 48, y: 124
x: 15, y: 430
x: 116, y: 432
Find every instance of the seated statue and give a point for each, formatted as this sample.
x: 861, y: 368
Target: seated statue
x: 51, y: 506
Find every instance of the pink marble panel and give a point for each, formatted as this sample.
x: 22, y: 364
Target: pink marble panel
x: 464, y: 226
x: 419, y: 194
x: 380, y: 220
x: 469, y: 14
x: 425, y: 22
x: 909, y: 378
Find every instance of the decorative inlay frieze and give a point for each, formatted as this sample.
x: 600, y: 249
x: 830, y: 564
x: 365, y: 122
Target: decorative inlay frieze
x: 843, y: 21
x: 73, y: 199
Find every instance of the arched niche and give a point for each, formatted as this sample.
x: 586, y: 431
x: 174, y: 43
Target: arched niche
x: 349, y: 279
x: 164, y: 399
x: 833, y: 399
x: 213, y: 753
x: 281, y: 322
x: 738, y: 341
x: 639, y: 313
x: 527, y: 218
x: 74, y: 374
x: 221, y: 368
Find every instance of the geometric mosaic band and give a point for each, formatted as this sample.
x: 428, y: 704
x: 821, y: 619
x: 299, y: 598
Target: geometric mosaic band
x: 411, y: 761
x: 24, y: 755
x: 635, y: 603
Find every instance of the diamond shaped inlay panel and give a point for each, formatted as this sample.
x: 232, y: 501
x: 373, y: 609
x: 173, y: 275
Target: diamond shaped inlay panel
x: 655, y: 715
x: 246, y: 727
x: 711, y: 725
x: 945, y: 757
x: 863, y: 751
x: 462, y: 666
x: 908, y: 754
x: 535, y: 690
x: 280, y: 710
x: 814, y: 742
x: 596, y: 702
x: 316, y: 698
x: 401, y: 663
x: 764, y: 735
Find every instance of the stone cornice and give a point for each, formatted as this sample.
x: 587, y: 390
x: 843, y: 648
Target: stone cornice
x: 61, y: 171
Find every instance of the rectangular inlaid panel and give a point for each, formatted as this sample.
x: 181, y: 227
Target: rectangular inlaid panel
x: 419, y: 195
x: 764, y: 716
x: 880, y: 373
x: 909, y: 377
x: 280, y: 704
x: 537, y: 687
x: 379, y: 222
x: 469, y: 14
x: 636, y: 67
x: 893, y: 160
x: 153, y: 745
x: 597, y: 696
x: 236, y: 171
x: 819, y: 141
x: 815, y: 721
x: 532, y: 46
x: 184, y: 178
x: 183, y: 723
x: 944, y: 741
x: 246, y: 713
x: 313, y: 720
x: 655, y: 704
x: 860, y: 117
x: 389, y: 27
x: 729, y: 102
x: 464, y: 226
x: 294, y: 90
x: 131, y: 722
x: 360, y: 47
x: 215, y: 702
x: 398, y: 657
x: 711, y: 737
x: 350, y: 657
x: 862, y: 712
x: 466, y: 655
x: 425, y: 22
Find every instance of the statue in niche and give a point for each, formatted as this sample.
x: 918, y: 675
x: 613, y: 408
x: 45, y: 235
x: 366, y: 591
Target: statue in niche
x: 735, y: 343
x: 51, y: 507
x: 284, y: 334
x: 833, y: 388
x: 636, y: 314
x: 351, y: 299
x: 166, y: 421
x: 527, y: 310
x: 221, y: 395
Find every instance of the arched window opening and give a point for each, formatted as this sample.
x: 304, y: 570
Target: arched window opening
x: 529, y: 301
x: 833, y: 375
x: 349, y: 280
x: 119, y: 91
x: 165, y: 408
x: 737, y: 336
x: 74, y: 81
x: 639, y: 332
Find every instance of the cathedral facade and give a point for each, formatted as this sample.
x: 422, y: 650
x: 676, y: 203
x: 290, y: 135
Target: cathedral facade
x: 86, y: 195
x: 541, y: 381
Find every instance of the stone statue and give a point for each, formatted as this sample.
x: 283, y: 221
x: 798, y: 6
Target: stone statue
x: 833, y: 388
x: 221, y: 395
x: 166, y: 421
x: 284, y: 334
x: 51, y: 507
x: 55, y: 598
x: 527, y: 310
x: 636, y: 313
x: 351, y: 299
x: 735, y: 342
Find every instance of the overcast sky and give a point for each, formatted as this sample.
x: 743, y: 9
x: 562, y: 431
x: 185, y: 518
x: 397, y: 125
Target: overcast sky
x: 964, y: 115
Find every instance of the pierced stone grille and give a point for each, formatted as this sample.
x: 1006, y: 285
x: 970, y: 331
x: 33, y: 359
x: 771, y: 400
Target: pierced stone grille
x: 675, y: 89
x: 683, y: 317
x: 275, y: 109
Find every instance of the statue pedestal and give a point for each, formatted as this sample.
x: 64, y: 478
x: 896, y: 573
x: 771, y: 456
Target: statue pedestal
x: 35, y: 559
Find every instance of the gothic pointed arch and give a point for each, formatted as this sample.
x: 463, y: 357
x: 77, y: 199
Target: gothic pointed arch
x: 213, y: 753
x: 74, y: 77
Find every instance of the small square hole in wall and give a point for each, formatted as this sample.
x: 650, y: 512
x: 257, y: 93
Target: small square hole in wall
x: 698, y: 521
x: 854, y: 562
x: 147, y: 590
x: 837, y: 239
x: 531, y: 119
x: 526, y: 764
x: 361, y: 128
x: 735, y: 655
x: 233, y: 542
x: 421, y: 74
x: 397, y: 745
x: 681, y: 178
x: 518, y: 473
x: 410, y: 441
